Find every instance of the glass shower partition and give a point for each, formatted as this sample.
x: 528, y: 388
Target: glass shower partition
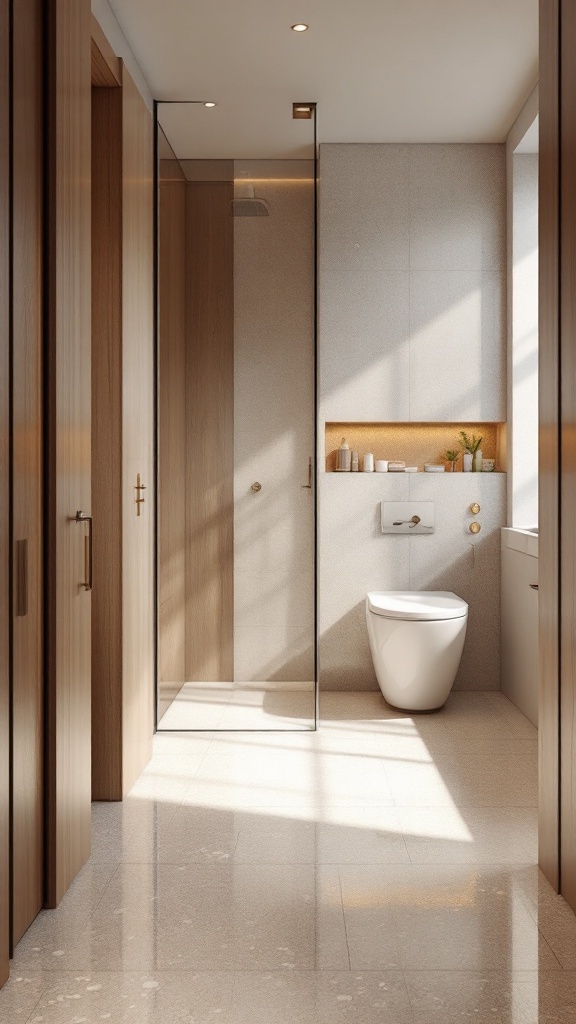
x: 236, y: 364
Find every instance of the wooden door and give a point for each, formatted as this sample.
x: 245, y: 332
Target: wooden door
x: 4, y: 489
x: 27, y: 523
x: 68, y: 442
x: 567, y: 306
x: 137, y: 432
x: 122, y: 440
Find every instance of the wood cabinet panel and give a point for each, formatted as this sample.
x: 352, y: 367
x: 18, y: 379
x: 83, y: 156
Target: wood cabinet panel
x: 107, y: 443
x: 27, y: 521
x: 568, y: 452
x: 4, y: 491
x: 549, y: 443
x: 137, y: 432
x: 69, y: 425
x: 122, y: 439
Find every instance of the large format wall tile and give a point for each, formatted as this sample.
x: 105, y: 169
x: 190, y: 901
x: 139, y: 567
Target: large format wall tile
x: 469, y: 566
x: 457, y: 346
x: 457, y: 207
x: 364, y: 345
x: 356, y: 557
x: 412, y: 329
x: 364, y: 207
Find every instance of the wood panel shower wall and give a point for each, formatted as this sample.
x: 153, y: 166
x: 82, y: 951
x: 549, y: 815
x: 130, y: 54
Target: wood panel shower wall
x: 210, y: 431
x: 196, y: 428
x: 172, y: 433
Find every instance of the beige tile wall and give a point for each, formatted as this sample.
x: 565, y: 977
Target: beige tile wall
x: 411, y: 328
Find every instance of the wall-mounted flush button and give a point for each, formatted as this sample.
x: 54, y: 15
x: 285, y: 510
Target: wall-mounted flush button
x: 475, y: 508
x: 474, y: 527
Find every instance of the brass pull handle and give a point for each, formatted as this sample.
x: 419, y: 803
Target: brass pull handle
x: 308, y: 486
x: 139, y: 500
x: 83, y: 517
x: 21, y: 578
x: 533, y: 586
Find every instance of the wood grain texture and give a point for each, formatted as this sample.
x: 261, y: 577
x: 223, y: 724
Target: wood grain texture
x: 69, y: 426
x: 210, y: 432
x: 568, y: 452
x: 27, y: 340
x: 107, y: 443
x: 549, y: 470
x: 137, y: 432
x: 122, y: 439
x: 105, y: 64
x: 4, y: 492
x: 172, y: 440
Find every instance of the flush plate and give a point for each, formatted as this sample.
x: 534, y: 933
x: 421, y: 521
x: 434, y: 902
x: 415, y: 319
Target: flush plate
x: 401, y: 516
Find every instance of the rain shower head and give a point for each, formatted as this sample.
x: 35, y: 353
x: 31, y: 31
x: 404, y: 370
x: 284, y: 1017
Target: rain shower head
x: 245, y: 203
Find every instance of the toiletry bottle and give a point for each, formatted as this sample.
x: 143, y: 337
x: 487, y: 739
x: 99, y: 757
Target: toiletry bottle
x: 355, y: 462
x: 369, y: 462
x: 478, y: 461
x: 344, y: 457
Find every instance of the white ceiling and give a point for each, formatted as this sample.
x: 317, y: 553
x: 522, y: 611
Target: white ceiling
x: 380, y: 70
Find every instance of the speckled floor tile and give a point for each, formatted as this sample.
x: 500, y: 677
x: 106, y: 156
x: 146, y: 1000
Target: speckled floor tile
x: 322, y: 997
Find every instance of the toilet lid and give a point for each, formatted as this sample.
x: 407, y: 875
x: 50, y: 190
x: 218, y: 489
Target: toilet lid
x: 416, y: 604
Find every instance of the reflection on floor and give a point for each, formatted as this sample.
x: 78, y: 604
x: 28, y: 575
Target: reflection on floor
x: 226, y: 706
x: 379, y: 871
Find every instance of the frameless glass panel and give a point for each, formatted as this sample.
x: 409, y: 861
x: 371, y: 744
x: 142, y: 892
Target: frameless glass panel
x: 236, y: 415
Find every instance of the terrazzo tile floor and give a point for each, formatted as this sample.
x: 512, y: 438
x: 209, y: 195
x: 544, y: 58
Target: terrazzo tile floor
x: 382, y: 869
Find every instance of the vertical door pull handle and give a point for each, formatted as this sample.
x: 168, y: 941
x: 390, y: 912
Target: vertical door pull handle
x: 21, y: 578
x: 308, y: 486
x: 83, y: 517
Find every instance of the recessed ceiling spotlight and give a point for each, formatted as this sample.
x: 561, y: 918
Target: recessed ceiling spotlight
x: 299, y: 28
x: 210, y: 104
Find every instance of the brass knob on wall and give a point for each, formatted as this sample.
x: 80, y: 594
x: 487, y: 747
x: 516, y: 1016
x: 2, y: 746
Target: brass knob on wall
x: 475, y: 508
x: 474, y: 527
x: 256, y: 487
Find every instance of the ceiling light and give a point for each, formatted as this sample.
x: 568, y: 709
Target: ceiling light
x: 299, y: 28
x: 210, y: 104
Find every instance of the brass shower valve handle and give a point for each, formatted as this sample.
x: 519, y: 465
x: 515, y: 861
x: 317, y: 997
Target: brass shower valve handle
x: 474, y: 527
x: 256, y: 487
x: 139, y: 499
x: 474, y: 508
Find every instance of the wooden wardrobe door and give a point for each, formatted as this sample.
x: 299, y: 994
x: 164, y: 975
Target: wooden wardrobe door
x: 68, y: 442
x: 4, y: 488
x: 27, y: 633
x: 137, y: 433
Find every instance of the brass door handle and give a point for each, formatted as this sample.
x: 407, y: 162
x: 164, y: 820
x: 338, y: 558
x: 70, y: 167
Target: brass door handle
x: 139, y: 500
x: 83, y: 517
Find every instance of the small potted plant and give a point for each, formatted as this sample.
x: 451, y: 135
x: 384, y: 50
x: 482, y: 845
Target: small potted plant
x: 451, y: 457
x: 470, y: 446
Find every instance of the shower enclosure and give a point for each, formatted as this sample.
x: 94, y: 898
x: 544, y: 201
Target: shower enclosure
x: 235, y: 425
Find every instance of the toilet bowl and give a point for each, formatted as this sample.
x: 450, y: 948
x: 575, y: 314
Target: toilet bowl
x: 416, y: 640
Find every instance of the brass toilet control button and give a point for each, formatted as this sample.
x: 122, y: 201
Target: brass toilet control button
x: 474, y: 527
x: 475, y: 508
x: 256, y: 487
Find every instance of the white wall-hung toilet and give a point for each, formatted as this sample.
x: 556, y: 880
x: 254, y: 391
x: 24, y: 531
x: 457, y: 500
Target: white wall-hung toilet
x: 416, y: 639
